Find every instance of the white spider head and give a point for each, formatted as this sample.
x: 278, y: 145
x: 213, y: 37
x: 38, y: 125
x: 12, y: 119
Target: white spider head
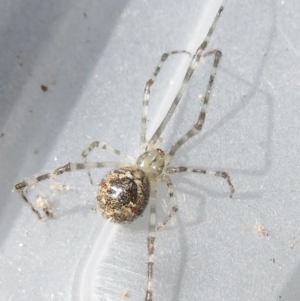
x: 151, y: 163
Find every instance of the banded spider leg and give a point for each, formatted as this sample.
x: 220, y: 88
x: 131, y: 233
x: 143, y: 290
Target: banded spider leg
x: 193, y: 131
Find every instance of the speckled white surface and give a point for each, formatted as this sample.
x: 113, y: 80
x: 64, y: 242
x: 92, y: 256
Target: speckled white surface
x: 95, y: 58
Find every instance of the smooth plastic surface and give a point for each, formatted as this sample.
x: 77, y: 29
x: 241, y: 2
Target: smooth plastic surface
x: 95, y: 58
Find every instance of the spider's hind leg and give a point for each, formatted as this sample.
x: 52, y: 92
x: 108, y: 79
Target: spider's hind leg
x: 24, y: 185
x: 174, y: 206
x: 34, y: 210
x: 104, y: 146
x: 151, y: 240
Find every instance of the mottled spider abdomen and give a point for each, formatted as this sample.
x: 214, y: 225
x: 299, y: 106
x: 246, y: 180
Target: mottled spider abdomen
x: 123, y: 194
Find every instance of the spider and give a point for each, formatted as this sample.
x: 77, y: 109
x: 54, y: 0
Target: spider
x: 125, y: 192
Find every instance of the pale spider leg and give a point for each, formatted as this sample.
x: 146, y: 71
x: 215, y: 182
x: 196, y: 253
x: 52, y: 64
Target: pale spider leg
x: 174, y: 206
x: 107, y: 147
x: 201, y: 119
x: 193, y: 65
x: 225, y: 175
x: 22, y: 186
x: 147, y: 95
x: 151, y: 240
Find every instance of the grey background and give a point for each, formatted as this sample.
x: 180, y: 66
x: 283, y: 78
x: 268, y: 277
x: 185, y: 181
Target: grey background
x: 95, y: 57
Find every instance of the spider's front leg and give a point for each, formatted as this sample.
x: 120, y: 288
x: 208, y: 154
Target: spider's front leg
x: 223, y: 174
x: 146, y: 98
x: 202, y: 116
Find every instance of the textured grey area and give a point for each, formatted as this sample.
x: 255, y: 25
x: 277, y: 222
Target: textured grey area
x: 95, y: 58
